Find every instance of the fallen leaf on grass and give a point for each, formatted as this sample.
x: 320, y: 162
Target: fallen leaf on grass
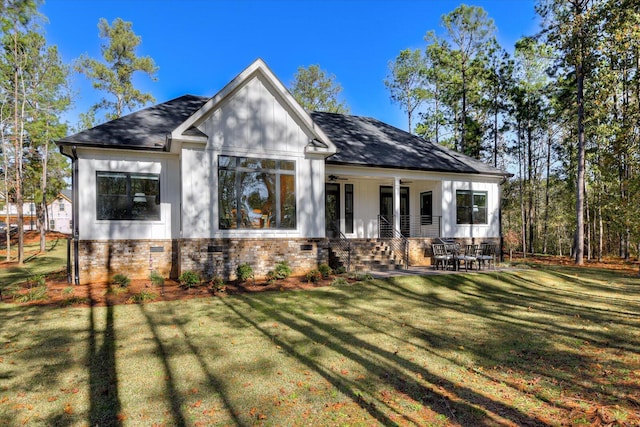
x: 197, y: 404
x: 52, y: 399
x: 68, y: 409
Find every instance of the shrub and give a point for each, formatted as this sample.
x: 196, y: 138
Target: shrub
x: 271, y: 277
x: 38, y: 280
x: 156, y: 278
x: 36, y: 293
x: 340, y: 270
x: 142, y: 297
x: 361, y: 276
x: 217, y: 284
x: 339, y: 281
x: 313, y: 276
x: 189, y: 279
x: 282, y: 270
x: 121, y: 280
x: 244, y: 272
x: 325, y: 270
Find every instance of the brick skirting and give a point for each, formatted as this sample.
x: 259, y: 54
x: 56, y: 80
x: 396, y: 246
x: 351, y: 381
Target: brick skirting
x: 101, y: 260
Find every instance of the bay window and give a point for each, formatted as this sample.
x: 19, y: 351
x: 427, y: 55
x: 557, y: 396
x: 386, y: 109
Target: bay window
x: 256, y: 193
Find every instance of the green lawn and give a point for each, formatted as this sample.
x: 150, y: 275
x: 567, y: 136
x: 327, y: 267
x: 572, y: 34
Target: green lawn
x: 54, y: 260
x: 529, y: 347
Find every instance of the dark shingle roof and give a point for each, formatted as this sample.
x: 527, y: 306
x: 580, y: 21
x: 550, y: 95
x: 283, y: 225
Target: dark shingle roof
x: 146, y: 129
x: 360, y: 141
x: 369, y: 142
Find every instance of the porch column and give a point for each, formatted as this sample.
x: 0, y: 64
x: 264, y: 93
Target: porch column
x: 396, y: 203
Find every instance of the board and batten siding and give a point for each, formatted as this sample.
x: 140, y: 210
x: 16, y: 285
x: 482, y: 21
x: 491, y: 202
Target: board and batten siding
x: 470, y: 231
x: 91, y: 161
x: 252, y: 122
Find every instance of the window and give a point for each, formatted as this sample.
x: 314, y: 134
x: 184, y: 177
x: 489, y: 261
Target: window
x: 426, y: 208
x: 348, y: 208
x: 61, y: 207
x: 256, y: 193
x: 52, y: 224
x: 471, y: 207
x: 127, y: 196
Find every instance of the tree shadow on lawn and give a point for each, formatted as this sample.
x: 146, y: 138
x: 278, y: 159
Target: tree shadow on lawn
x: 174, y: 396
x: 523, y: 315
x: 441, y: 395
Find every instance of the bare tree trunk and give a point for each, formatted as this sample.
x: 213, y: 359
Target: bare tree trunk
x: 580, y: 181
x: 559, y: 241
x: 600, y: 229
x: 546, y: 196
x: 588, y: 222
x: 5, y: 158
x: 17, y: 141
x: 43, y: 202
x: 522, y: 207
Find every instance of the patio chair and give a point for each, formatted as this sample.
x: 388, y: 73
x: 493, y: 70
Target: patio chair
x: 440, y: 255
x: 452, y: 249
x: 488, y: 254
x: 470, y: 257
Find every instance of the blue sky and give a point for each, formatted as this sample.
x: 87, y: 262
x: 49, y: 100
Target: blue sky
x: 199, y: 45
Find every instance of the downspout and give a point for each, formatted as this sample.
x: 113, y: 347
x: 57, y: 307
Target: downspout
x: 74, y: 215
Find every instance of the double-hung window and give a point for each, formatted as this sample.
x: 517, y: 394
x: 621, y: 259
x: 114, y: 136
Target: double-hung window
x: 256, y: 193
x: 127, y: 196
x: 471, y: 207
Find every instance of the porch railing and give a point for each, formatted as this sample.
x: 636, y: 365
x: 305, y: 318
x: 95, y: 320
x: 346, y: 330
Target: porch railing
x: 413, y: 225
x: 394, y: 238
x: 341, y: 246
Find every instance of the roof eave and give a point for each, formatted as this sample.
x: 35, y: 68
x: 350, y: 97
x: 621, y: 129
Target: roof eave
x: 437, y: 170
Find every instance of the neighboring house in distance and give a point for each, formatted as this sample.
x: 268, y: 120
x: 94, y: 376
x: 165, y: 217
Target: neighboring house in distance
x: 249, y: 176
x: 60, y: 213
x: 10, y: 210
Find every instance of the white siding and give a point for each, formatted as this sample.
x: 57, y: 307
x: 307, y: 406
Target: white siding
x: 367, y: 182
x: 449, y: 226
x: 91, y: 161
x: 60, y: 212
x: 251, y: 123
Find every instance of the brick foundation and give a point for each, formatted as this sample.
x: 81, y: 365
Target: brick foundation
x: 221, y: 257
x: 101, y: 260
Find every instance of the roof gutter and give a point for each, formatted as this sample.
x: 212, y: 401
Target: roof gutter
x: 74, y: 216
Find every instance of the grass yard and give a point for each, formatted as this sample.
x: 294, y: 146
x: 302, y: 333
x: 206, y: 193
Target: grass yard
x: 544, y: 346
x: 54, y: 260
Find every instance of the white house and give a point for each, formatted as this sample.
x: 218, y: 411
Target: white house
x: 248, y: 175
x: 59, y: 213
x: 9, y: 211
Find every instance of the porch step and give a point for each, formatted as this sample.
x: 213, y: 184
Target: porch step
x: 371, y: 254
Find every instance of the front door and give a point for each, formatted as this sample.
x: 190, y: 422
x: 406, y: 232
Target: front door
x: 332, y: 209
x: 386, y: 209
